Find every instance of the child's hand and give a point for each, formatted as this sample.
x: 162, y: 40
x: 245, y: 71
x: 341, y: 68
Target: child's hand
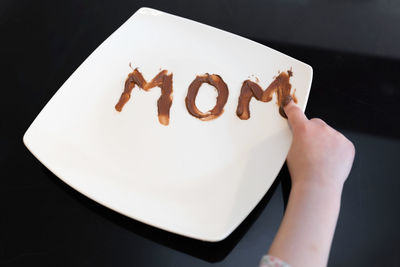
x: 319, y: 162
x: 319, y: 154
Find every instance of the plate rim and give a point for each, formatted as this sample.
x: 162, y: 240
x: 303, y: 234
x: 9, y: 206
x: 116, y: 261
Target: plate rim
x: 209, y: 237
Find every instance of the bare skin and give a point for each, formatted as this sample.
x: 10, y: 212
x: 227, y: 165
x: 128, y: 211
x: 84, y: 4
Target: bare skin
x: 319, y: 162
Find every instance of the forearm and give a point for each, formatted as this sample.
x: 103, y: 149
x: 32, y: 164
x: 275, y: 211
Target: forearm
x: 305, y: 235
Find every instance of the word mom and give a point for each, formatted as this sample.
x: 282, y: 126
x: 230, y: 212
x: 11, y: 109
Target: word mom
x: 280, y: 85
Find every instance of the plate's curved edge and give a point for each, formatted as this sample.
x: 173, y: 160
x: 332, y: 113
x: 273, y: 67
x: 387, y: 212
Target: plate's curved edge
x: 311, y: 70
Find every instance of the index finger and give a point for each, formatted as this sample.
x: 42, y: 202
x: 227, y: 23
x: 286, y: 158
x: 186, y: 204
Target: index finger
x: 295, y: 115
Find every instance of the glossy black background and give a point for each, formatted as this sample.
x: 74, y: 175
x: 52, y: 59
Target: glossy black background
x: 354, y: 48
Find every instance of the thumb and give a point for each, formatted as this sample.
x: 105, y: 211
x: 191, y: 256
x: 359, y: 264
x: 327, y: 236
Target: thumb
x: 295, y: 115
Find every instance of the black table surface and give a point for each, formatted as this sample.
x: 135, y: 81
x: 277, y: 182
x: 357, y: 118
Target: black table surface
x: 353, y: 46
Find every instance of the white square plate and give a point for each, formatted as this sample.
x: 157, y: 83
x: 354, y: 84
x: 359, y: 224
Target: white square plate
x: 195, y: 178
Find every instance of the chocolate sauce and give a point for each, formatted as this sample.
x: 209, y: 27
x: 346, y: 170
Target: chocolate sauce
x: 162, y: 80
x: 223, y: 93
x: 280, y: 85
